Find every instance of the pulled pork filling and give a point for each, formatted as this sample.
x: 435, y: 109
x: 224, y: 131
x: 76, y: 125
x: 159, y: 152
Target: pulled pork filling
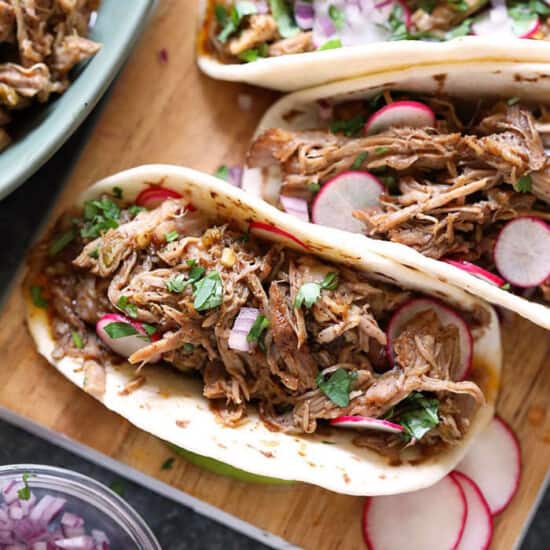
x: 40, y: 42
x: 317, y: 347
x: 244, y: 31
x: 449, y: 189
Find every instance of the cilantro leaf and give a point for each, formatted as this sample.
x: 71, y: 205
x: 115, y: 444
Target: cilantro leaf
x: 171, y: 236
x: 350, y: 127
x: 332, y: 44
x: 100, y: 216
x: 127, y: 307
x: 314, y: 187
x: 260, y: 324
x: 337, y: 17
x: 168, y: 464
x: 524, y: 184
x: 119, y: 330
x: 358, y: 162
x: 134, y: 210
x: 282, y: 14
x: 178, y: 282
x: 330, y: 281
x: 208, y: 292
x: 222, y: 172
x: 417, y: 413
x: 77, y: 339
x: 37, y: 299
x: 117, y: 192
x: 61, y: 242
x: 337, y: 386
x: 309, y: 293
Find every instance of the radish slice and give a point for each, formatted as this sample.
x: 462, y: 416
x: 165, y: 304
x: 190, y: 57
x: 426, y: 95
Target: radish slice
x: 341, y: 195
x: 429, y: 519
x: 272, y: 233
x: 494, y: 464
x: 410, y: 114
x: 497, y: 22
x: 124, y: 345
x: 296, y: 207
x: 522, y: 252
x: 478, y: 530
x: 477, y: 271
x: 446, y: 316
x: 364, y: 422
x: 153, y: 196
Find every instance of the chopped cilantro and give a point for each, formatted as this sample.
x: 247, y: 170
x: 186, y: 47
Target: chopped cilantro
x: 464, y: 29
x: 505, y: 286
x: 117, y: 192
x: 94, y: 253
x: 260, y: 324
x: 149, y: 329
x: 37, y: 299
x: 208, y: 292
x: 118, y: 487
x: 100, y: 216
x: 381, y: 150
x: 188, y: 347
x: 171, y: 236
x: 524, y: 184
x: 309, y: 293
x: 178, y: 283
x: 358, y: 162
x: 119, y: 330
x: 337, y: 17
x: 61, y: 242
x: 230, y: 20
x: 281, y: 12
x: 332, y: 44
x: 253, y: 54
x: 417, y: 413
x: 513, y: 100
x: 128, y: 308
x: 314, y: 187
x: 25, y: 492
x: 77, y: 339
x: 134, y: 210
x: 337, y: 386
x: 168, y: 464
x: 222, y: 172
x: 350, y: 127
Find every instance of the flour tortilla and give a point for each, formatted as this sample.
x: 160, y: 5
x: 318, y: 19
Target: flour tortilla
x: 170, y: 405
x: 473, y: 80
x: 299, y: 71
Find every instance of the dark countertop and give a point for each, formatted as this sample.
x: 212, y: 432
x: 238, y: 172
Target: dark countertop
x: 176, y: 527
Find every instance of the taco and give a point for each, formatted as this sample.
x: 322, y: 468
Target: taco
x: 295, y: 44
x: 436, y: 163
x: 223, y: 326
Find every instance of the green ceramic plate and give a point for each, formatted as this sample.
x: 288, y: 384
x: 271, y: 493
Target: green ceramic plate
x: 118, y: 25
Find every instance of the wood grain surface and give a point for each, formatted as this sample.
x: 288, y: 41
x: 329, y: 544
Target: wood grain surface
x: 166, y: 111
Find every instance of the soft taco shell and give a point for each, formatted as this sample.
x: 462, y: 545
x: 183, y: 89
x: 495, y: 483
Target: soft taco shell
x: 171, y: 406
x: 299, y: 71
x: 473, y: 80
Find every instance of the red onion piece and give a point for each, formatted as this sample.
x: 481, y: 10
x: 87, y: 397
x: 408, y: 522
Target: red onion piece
x: 295, y: 206
x: 241, y: 327
x: 235, y: 175
x: 71, y: 520
x: 304, y: 14
x: 10, y: 491
x: 15, y: 511
x: 101, y: 540
x: 326, y: 24
x: 262, y: 7
x: 46, y: 509
x: 84, y: 542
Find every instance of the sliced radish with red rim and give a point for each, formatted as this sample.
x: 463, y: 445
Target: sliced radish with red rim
x: 367, y: 423
x: 153, y: 196
x: 478, y: 529
x: 477, y: 271
x: 446, y: 316
x: 409, y: 114
x: 429, y: 519
x: 522, y: 251
x: 123, y: 335
x: 493, y: 462
x: 335, y: 203
x: 272, y: 233
x: 498, y: 22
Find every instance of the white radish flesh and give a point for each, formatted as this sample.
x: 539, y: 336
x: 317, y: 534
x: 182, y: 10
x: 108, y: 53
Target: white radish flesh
x: 409, y: 114
x: 497, y: 22
x: 272, y: 233
x: 446, y: 316
x: 478, y: 530
x: 125, y: 345
x: 429, y: 519
x: 494, y: 464
x: 366, y: 423
x: 341, y: 195
x: 522, y: 252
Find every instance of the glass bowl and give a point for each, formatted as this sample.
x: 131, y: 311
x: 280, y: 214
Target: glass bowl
x: 100, y: 507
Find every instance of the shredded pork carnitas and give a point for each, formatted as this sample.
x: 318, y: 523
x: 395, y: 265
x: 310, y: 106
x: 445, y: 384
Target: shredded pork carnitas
x: 132, y: 269
x: 40, y: 42
x: 449, y: 188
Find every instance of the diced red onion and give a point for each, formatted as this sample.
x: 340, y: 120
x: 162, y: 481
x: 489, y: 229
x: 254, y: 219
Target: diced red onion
x: 241, y: 327
x: 383, y: 4
x: 6, y: 536
x: 262, y: 7
x: 70, y: 532
x: 16, y: 546
x: 71, y: 520
x: 304, y: 14
x: 15, y: 511
x: 295, y: 206
x: 40, y: 545
x: 235, y: 175
x: 101, y: 540
x: 11, y: 490
x: 326, y: 24
x: 46, y: 509
x: 27, y: 505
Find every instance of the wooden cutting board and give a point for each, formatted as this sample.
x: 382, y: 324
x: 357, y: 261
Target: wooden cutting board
x: 163, y: 110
